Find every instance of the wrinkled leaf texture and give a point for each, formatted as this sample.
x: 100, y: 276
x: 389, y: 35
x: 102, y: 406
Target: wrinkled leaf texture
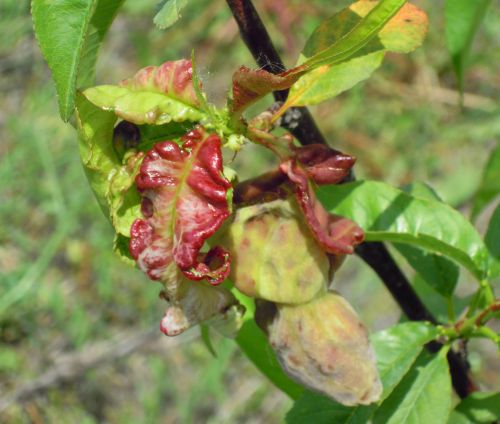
x: 388, y: 214
x: 396, y: 349
x: 70, y: 33
x: 155, y: 95
x: 185, y: 200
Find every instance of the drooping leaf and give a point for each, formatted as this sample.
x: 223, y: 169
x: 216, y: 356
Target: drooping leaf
x: 489, y: 187
x: 185, y: 200
x: 249, y: 85
x: 388, y: 214
x: 396, y: 350
x: 424, y: 394
x: 69, y: 33
x: 492, y: 240
x: 403, y: 33
x: 155, y: 95
x: 462, y: 20
x: 480, y: 407
x: 169, y: 13
x: 111, y: 181
x: 336, y: 234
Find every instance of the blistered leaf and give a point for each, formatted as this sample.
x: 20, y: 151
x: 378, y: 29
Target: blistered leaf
x: 185, y: 200
x: 402, y: 34
x: 192, y: 303
x: 155, y: 95
x: 169, y: 13
x: 69, y: 33
x: 335, y: 234
x: 323, y: 345
x: 396, y: 349
x: 274, y: 256
x: 111, y: 181
x: 388, y: 214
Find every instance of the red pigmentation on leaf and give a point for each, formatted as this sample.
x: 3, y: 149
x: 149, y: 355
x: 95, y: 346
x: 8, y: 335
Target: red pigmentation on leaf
x: 185, y: 200
x: 337, y: 235
x: 323, y: 164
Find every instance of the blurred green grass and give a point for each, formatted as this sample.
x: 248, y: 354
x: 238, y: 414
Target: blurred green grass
x: 62, y: 289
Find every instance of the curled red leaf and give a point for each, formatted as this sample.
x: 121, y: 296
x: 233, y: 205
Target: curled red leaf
x: 249, y: 85
x: 336, y: 234
x: 185, y: 200
x: 323, y: 164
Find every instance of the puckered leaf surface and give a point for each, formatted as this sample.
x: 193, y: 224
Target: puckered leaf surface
x: 111, y: 180
x: 155, y: 95
x: 185, y: 200
x: 336, y: 234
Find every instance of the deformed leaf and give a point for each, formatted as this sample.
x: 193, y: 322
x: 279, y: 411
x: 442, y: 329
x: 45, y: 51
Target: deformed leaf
x: 424, y: 394
x: 336, y: 234
x: 155, y: 95
x: 388, y: 214
x: 111, y: 181
x: 274, y: 256
x: 323, y: 345
x: 396, y: 350
x: 185, y: 199
x: 69, y: 33
x: 169, y: 13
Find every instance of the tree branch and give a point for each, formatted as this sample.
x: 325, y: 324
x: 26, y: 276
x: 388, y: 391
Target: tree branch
x: 304, y: 128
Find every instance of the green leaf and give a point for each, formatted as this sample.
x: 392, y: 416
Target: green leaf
x: 424, y: 394
x: 491, y: 239
x: 155, y: 95
x: 254, y: 344
x: 69, y: 33
x: 490, y: 184
x: 111, y: 182
x: 437, y: 271
x: 104, y: 14
x: 396, y: 350
x: 462, y: 20
x: 480, y: 407
x: 388, y: 214
x: 358, y: 36
x: 169, y: 13
x: 403, y: 33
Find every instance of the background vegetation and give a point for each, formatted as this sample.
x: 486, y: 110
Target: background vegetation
x: 65, y: 297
